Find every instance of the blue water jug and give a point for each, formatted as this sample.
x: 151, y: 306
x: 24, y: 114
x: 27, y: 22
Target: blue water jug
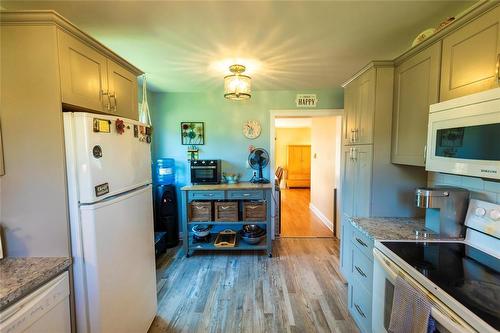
x: 164, y: 171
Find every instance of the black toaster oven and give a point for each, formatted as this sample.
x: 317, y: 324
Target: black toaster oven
x: 205, y: 171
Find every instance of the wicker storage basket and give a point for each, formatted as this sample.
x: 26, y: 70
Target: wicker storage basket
x: 226, y: 211
x: 200, y: 211
x: 254, y: 211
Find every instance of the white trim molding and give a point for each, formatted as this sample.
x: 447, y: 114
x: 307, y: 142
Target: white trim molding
x: 321, y: 216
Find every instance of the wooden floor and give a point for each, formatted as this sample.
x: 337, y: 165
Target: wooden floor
x: 298, y: 290
x: 297, y: 220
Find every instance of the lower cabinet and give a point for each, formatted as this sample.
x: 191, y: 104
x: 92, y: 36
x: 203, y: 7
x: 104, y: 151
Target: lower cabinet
x: 361, y: 279
x: 360, y: 305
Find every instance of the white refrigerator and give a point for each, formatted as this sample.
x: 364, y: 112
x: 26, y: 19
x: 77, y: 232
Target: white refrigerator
x: 111, y: 215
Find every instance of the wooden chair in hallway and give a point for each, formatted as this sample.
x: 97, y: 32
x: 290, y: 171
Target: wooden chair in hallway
x: 278, y: 176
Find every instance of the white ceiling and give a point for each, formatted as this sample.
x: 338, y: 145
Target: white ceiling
x: 292, y: 122
x: 183, y: 46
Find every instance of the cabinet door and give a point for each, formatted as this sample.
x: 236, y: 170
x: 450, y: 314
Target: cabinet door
x: 347, y: 209
x: 348, y: 174
x: 365, y: 110
x: 362, y: 156
x: 350, y: 93
x: 123, y: 91
x: 83, y: 74
x: 470, y: 57
x: 416, y: 87
x: 346, y: 249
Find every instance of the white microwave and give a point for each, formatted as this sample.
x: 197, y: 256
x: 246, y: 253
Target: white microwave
x: 463, y: 136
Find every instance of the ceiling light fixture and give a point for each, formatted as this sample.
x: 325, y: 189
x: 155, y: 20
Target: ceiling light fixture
x: 237, y: 86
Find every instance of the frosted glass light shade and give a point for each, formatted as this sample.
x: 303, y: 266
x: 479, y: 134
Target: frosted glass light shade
x: 237, y: 86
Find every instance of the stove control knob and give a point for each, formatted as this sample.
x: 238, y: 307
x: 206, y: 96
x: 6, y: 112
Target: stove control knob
x: 495, y: 214
x: 480, y: 211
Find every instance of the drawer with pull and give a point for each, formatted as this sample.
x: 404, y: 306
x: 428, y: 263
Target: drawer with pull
x: 206, y: 195
x: 246, y: 195
x: 362, y: 242
x: 362, y: 269
x: 360, y: 306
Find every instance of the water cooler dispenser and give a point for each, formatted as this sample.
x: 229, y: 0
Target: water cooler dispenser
x: 166, y: 223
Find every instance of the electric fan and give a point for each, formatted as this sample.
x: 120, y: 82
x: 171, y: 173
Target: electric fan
x: 258, y: 160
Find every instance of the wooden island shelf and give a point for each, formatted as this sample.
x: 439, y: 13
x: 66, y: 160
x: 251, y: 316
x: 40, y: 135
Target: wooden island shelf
x: 253, y: 202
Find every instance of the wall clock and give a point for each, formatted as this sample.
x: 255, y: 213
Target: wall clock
x: 251, y: 129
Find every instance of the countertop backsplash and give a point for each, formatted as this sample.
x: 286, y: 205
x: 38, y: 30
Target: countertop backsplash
x: 480, y: 189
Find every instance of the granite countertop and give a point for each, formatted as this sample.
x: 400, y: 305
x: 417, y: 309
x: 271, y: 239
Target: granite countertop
x: 390, y: 228
x: 222, y: 187
x: 21, y: 275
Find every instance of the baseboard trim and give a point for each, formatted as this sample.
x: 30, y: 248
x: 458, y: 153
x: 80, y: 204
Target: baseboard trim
x: 321, y: 216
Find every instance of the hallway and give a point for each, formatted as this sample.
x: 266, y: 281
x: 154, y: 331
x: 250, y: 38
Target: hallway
x: 297, y: 220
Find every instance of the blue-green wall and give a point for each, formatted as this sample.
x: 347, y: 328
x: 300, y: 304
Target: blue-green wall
x: 223, y: 124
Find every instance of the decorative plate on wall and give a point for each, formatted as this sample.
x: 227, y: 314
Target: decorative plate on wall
x: 251, y: 129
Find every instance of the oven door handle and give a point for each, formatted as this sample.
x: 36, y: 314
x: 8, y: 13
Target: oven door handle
x: 444, y: 317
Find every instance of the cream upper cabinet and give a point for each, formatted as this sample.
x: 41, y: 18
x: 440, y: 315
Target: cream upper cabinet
x: 470, y: 57
x: 84, y: 77
x: 359, y: 109
x: 416, y: 87
x: 350, y: 94
x: 363, y: 133
x: 122, y: 91
x: 90, y: 80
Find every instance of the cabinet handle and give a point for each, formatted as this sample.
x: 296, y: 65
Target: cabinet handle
x: 498, y: 69
x: 356, y: 131
x: 108, y: 105
x: 425, y: 154
x: 360, y: 271
x: 113, y: 96
x: 224, y: 207
x: 359, y: 310
x: 253, y: 207
x: 246, y: 194
x: 354, y: 154
x: 361, y: 242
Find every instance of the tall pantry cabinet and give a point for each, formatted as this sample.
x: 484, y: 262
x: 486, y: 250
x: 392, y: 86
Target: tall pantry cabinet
x: 49, y: 66
x: 371, y: 184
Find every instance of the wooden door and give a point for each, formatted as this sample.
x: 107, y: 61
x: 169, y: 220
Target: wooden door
x: 416, y: 87
x: 365, y: 110
x: 123, y: 91
x: 363, y: 161
x: 471, y: 57
x: 83, y: 74
x: 350, y: 100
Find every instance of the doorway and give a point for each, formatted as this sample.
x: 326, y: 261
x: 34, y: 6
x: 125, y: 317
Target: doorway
x: 306, y: 145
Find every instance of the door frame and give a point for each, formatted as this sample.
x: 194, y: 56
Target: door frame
x: 296, y: 113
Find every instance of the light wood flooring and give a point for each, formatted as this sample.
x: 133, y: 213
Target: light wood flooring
x: 297, y: 220
x: 299, y: 289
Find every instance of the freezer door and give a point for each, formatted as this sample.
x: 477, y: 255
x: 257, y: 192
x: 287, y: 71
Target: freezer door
x: 119, y: 264
x: 106, y: 162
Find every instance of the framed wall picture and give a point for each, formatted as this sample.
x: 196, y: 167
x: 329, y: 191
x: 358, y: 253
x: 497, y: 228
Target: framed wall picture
x: 193, y: 133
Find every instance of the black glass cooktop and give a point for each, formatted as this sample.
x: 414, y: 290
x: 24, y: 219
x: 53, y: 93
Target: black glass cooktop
x: 470, y: 276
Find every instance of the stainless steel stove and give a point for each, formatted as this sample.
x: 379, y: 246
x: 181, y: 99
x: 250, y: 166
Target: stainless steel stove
x: 461, y: 278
